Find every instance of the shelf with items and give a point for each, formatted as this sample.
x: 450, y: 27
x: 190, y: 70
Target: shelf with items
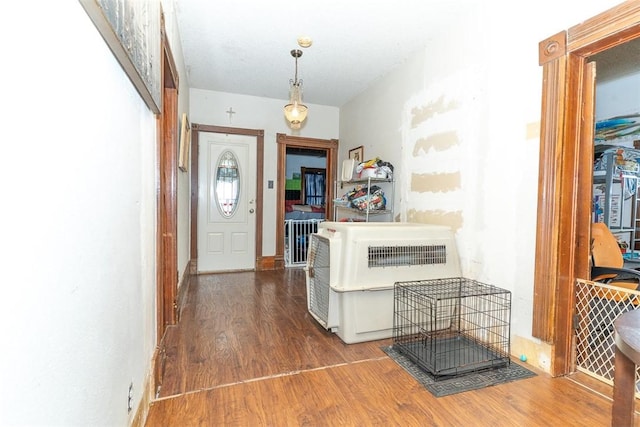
x: 615, y: 199
x: 364, y: 200
x: 635, y: 247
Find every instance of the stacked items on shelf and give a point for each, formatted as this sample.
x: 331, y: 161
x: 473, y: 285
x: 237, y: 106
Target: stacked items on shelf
x: 367, y: 197
x: 625, y: 159
x: 363, y: 198
x: 616, y: 172
x: 374, y: 168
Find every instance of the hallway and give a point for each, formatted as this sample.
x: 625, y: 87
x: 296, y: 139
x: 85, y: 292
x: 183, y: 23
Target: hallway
x: 247, y: 353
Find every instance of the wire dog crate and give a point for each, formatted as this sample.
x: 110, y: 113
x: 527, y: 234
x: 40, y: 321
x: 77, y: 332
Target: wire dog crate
x: 453, y: 326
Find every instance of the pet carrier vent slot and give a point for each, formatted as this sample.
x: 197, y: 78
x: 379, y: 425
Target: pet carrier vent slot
x: 395, y: 256
x: 318, y: 279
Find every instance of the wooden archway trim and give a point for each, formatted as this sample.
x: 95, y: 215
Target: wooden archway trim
x: 566, y: 154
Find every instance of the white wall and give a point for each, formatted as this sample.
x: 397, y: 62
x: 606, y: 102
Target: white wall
x: 209, y: 108
x: 295, y: 162
x: 618, y: 97
x: 465, y: 113
x: 78, y: 224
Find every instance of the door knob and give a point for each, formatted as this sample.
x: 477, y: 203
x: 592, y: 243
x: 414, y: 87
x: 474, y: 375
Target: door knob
x: 251, y: 210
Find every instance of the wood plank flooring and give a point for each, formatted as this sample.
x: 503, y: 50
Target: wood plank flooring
x: 247, y: 353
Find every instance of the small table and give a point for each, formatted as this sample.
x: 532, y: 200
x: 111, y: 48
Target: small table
x: 627, y: 356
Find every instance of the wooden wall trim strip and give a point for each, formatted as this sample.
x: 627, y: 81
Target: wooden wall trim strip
x: 584, y: 168
x: 195, y: 139
x: 168, y: 207
x: 621, y: 21
x: 167, y: 196
x: 562, y: 245
x: 575, y: 218
x: 545, y: 279
x: 575, y: 208
x: 148, y: 394
x: 266, y: 263
x: 185, y: 282
x: 259, y: 194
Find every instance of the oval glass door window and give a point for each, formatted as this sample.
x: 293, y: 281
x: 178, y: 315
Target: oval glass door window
x: 227, y: 184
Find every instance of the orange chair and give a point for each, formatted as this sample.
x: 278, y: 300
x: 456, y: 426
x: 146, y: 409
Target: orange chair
x: 607, y: 263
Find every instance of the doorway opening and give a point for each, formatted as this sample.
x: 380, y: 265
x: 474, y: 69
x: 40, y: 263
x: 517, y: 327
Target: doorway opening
x: 565, y: 176
x: 306, y: 188
x: 614, y: 212
x: 309, y: 204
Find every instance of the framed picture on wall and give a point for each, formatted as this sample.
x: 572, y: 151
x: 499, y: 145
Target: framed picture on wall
x: 185, y: 143
x: 357, y: 154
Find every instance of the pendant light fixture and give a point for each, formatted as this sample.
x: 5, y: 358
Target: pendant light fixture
x: 295, y: 111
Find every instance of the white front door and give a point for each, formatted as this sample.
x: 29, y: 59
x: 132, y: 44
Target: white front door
x: 226, y: 202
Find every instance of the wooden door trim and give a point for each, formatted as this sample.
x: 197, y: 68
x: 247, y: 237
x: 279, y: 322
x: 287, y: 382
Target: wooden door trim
x: 284, y: 141
x: 195, y: 138
x: 167, y: 203
x: 566, y: 153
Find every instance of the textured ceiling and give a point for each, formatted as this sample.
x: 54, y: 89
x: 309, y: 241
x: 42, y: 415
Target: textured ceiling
x: 244, y: 46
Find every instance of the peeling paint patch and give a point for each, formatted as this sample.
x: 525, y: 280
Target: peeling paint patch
x: 533, y: 130
x: 435, y: 182
x: 439, y: 142
x: 439, y: 217
x: 424, y: 113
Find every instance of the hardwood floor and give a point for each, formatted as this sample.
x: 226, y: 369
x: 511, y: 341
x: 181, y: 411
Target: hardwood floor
x: 247, y: 353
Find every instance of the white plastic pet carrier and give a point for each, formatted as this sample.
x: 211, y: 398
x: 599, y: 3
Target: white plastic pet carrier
x: 352, y: 268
